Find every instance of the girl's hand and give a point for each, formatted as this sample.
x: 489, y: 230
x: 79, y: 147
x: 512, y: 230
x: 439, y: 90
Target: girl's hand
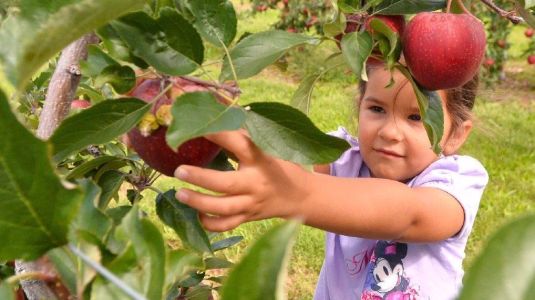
x: 262, y: 187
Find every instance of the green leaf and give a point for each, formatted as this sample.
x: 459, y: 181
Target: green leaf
x: 121, y: 78
x: 184, y: 220
x: 6, y: 291
x: 393, y: 51
x: 35, y: 208
x: 181, y: 35
x: 217, y: 263
x: 147, y: 40
x: 113, y: 43
x: 260, y: 50
x: 260, y: 273
x: 43, y: 28
x: 506, y: 267
x: 197, y: 114
x: 431, y: 111
x: 71, y: 270
x: 302, y: 97
x: 349, y: 6
x: 90, y: 165
x: 65, y: 266
x: 522, y: 7
x: 287, y: 133
x: 141, y: 265
x: 96, y: 61
x: 179, y: 264
x: 336, y: 26
x: 356, y: 48
x: 226, y: 243
x: 97, y: 125
x: 406, y: 7
x: 109, y: 182
x: 91, y: 219
x: 215, y: 20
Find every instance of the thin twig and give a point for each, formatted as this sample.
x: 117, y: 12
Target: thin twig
x: 511, y: 15
x: 107, y: 274
x: 234, y: 91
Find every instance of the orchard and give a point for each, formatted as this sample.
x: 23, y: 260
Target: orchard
x: 101, y: 99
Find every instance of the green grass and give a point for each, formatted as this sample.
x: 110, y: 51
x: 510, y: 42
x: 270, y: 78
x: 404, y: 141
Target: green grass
x: 502, y: 141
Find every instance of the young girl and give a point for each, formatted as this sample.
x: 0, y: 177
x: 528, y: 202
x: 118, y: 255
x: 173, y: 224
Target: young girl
x: 398, y: 216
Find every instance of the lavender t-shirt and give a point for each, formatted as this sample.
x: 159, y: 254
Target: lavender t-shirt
x: 357, y: 268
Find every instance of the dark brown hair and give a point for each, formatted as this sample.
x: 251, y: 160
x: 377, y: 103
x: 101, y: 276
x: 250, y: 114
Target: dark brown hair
x: 459, y: 100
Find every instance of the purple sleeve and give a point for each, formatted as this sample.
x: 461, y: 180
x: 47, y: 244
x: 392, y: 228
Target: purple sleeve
x: 350, y: 163
x: 464, y: 178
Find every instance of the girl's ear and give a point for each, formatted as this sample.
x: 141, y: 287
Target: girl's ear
x: 457, y: 138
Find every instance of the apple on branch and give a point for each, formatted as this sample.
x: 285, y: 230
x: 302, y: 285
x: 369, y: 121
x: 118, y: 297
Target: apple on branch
x: 148, y: 138
x: 80, y: 104
x: 443, y: 50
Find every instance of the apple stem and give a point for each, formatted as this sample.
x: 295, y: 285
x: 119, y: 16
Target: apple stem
x: 506, y: 14
x: 448, y: 7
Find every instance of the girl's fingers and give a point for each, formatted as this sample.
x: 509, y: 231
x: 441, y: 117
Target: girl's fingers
x: 237, y: 142
x: 214, y: 205
x: 220, y: 224
x: 217, y: 181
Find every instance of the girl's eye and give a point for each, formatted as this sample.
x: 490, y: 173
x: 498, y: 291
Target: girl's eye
x: 415, y: 117
x: 376, y: 109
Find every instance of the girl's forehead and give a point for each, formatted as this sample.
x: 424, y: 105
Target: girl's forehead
x: 379, y: 87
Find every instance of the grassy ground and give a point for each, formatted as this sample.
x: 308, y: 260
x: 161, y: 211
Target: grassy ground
x: 502, y: 141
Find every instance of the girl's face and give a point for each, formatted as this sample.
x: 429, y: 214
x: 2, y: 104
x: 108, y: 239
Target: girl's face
x: 393, y: 140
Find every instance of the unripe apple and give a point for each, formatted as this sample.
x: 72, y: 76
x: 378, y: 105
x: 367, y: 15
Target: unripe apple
x: 531, y: 59
x: 443, y: 50
x: 529, y: 32
x: 148, y: 138
x: 80, y: 104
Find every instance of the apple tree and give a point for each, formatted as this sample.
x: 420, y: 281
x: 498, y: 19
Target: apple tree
x: 296, y: 15
x: 97, y: 95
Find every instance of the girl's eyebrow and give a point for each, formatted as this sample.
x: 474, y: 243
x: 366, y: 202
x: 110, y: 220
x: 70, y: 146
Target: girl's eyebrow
x: 373, y: 99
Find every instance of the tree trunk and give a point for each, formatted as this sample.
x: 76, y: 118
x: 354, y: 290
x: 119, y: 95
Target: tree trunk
x: 61, y: 91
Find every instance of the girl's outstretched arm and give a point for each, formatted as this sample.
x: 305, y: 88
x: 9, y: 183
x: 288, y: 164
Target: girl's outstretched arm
x: 266, y: 187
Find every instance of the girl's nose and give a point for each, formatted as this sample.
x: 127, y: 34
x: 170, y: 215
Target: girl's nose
x: 391, y: 131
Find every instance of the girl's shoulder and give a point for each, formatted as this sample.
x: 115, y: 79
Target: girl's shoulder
x: 453, y: 170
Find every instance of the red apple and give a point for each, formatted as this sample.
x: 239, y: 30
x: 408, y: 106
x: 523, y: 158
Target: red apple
x: 80, y: 104
x: 501, y: 43
x: 443, y: 50
x: 529, y: 32
x: 489, y: 62
x: 531, y: 59
x: 152, y: 147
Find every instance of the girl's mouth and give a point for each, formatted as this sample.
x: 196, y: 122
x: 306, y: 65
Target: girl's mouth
x: 388, y: 153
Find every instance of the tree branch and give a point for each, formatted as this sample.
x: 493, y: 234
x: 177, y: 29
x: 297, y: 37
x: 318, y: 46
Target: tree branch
x: 61, y: 91
x: 511, y: 15
x: 63, y: 85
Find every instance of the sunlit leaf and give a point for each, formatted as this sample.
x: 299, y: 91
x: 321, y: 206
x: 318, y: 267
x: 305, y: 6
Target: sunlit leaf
x: 287, y: 133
